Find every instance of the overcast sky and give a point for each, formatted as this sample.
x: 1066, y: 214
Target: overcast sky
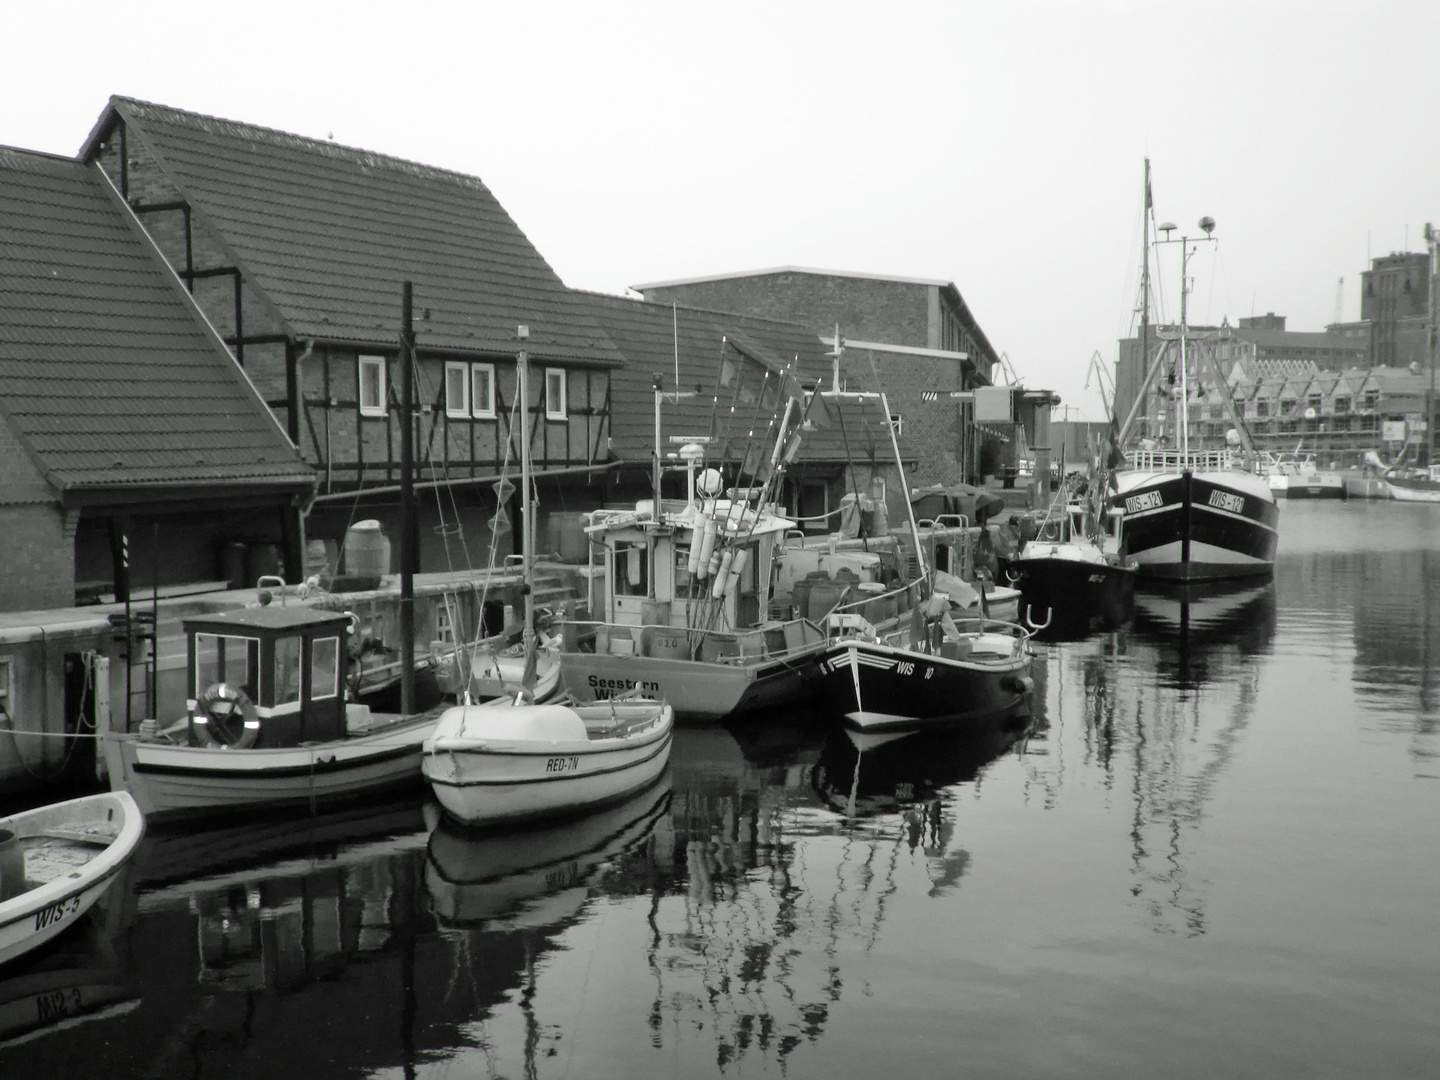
x: 998, y: 145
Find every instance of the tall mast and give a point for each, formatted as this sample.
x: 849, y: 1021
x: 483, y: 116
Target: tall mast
x: 1184, y: 409
x: 1145, y: 279
x: 527, y: 514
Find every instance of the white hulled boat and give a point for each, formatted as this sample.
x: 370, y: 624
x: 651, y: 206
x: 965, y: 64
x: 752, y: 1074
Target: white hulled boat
x: 57, y: 860
x: 509, y: 761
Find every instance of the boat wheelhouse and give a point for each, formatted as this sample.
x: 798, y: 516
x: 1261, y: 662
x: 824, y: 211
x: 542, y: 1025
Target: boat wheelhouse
x: 267, y: 722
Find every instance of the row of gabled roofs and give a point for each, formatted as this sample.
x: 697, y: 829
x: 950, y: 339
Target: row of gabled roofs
x: 1257, y: 380
x: 111, y: 378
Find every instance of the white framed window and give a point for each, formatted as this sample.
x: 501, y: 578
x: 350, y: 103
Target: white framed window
x: 898, y: 423
x: 555, y: 394
x: 482, y: 391
x: 372, y: 386
x: 457, y: 389
x: 324, y: 668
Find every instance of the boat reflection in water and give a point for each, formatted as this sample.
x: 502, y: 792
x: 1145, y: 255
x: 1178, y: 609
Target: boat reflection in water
x: 534, y: 877
x: 74, y: 979
x: 861, y: 775
x: 1199, y: 628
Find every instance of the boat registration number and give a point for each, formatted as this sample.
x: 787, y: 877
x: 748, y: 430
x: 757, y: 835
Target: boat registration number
x: 1147, y: 500
x: 562, y: 764
x: 1223, y: 500
x: 56, y: 912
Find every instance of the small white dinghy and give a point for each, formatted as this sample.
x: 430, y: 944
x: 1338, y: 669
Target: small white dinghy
x: 501, y: 763
x: 56, y: 861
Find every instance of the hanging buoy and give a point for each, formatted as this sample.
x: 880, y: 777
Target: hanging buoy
x: 737, y: 567
x: 722, y: 573
x: 697, y: 541
x: 707, y: 549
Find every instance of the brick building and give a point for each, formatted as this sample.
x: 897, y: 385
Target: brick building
x: 917, y: 336
x: 1394, y: 312
x: 296, y: 250
x: 132, y: 447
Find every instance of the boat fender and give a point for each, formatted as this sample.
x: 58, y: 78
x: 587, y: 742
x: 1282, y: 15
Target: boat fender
x: 722, y: 572
x: 697, y: 541
x: 1019, y: 684
x: 707, y: 549
x: 225, y: 718
x: 737, y: 567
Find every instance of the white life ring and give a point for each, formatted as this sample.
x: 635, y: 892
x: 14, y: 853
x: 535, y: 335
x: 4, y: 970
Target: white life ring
x: 225, y: 717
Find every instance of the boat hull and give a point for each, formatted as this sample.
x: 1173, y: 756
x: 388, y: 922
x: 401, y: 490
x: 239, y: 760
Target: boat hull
x: 42, y: 911
x: 1198, y: 526
x: 1060, y: 588
x: 1323, y: 485
x: 1413, y: 489
x: 880, y: 687
x: 170, y: 781
x: 696, y: 689
x: 485, y: 782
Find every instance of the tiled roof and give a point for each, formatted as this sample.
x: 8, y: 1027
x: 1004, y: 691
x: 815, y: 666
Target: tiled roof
x: 648, y: 334
x: 328, y: 233
x: 107, y: 371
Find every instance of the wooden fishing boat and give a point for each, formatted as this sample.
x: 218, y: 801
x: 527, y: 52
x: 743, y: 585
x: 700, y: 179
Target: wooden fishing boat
x: 1191, y: 512
x: 878, y: 686
x: 57, y: 860
x: 1072, y: 573
x: 267, y: 723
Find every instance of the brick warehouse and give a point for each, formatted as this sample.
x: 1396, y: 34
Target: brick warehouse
x: 916, y: 335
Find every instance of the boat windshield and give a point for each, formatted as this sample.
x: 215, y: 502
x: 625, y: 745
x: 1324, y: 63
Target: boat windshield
x: 228, y: 659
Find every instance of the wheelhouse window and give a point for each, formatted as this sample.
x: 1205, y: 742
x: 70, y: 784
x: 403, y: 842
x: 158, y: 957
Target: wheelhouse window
x: 482, y: 391
x: 457, y: 390
x: 632, y: 566
x: 555, y: 405
x: 287, y: 670
x: 7, y: 687
x: 225, y: 658
x: 372, y: 385
x: 324, y: 668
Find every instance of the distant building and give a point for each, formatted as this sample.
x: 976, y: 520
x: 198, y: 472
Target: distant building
x: 1394, y: 311
x: 916, y: 336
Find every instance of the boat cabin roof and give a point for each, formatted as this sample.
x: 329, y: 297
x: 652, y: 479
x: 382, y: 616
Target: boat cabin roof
x: 273, y: 619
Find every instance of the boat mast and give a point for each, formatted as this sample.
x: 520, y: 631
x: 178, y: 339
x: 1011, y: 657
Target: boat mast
x: 1184, y: 408
x: 527, y: 523
x: 1144, y: 284
x: 408, y: 526
x: 1432, y: 237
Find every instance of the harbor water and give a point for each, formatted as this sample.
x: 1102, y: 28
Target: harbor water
x: 1213, y: 852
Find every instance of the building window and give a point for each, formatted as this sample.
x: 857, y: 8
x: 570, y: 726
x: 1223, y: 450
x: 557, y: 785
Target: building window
x: 482, y: 391
x: 1315, y: 401
x: 1262, y: 407
x: 457, y: 390
x: 555, y: 394
x: 1372, y: 399
x: 372, y: 386
x: 1342, y: 404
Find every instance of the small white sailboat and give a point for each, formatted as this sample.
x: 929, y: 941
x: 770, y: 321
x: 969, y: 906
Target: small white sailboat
x: 57, y: 860
x: 508, y: 761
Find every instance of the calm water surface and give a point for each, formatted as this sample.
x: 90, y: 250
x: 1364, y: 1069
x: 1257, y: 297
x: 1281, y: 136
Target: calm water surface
x: 1217, y: 853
